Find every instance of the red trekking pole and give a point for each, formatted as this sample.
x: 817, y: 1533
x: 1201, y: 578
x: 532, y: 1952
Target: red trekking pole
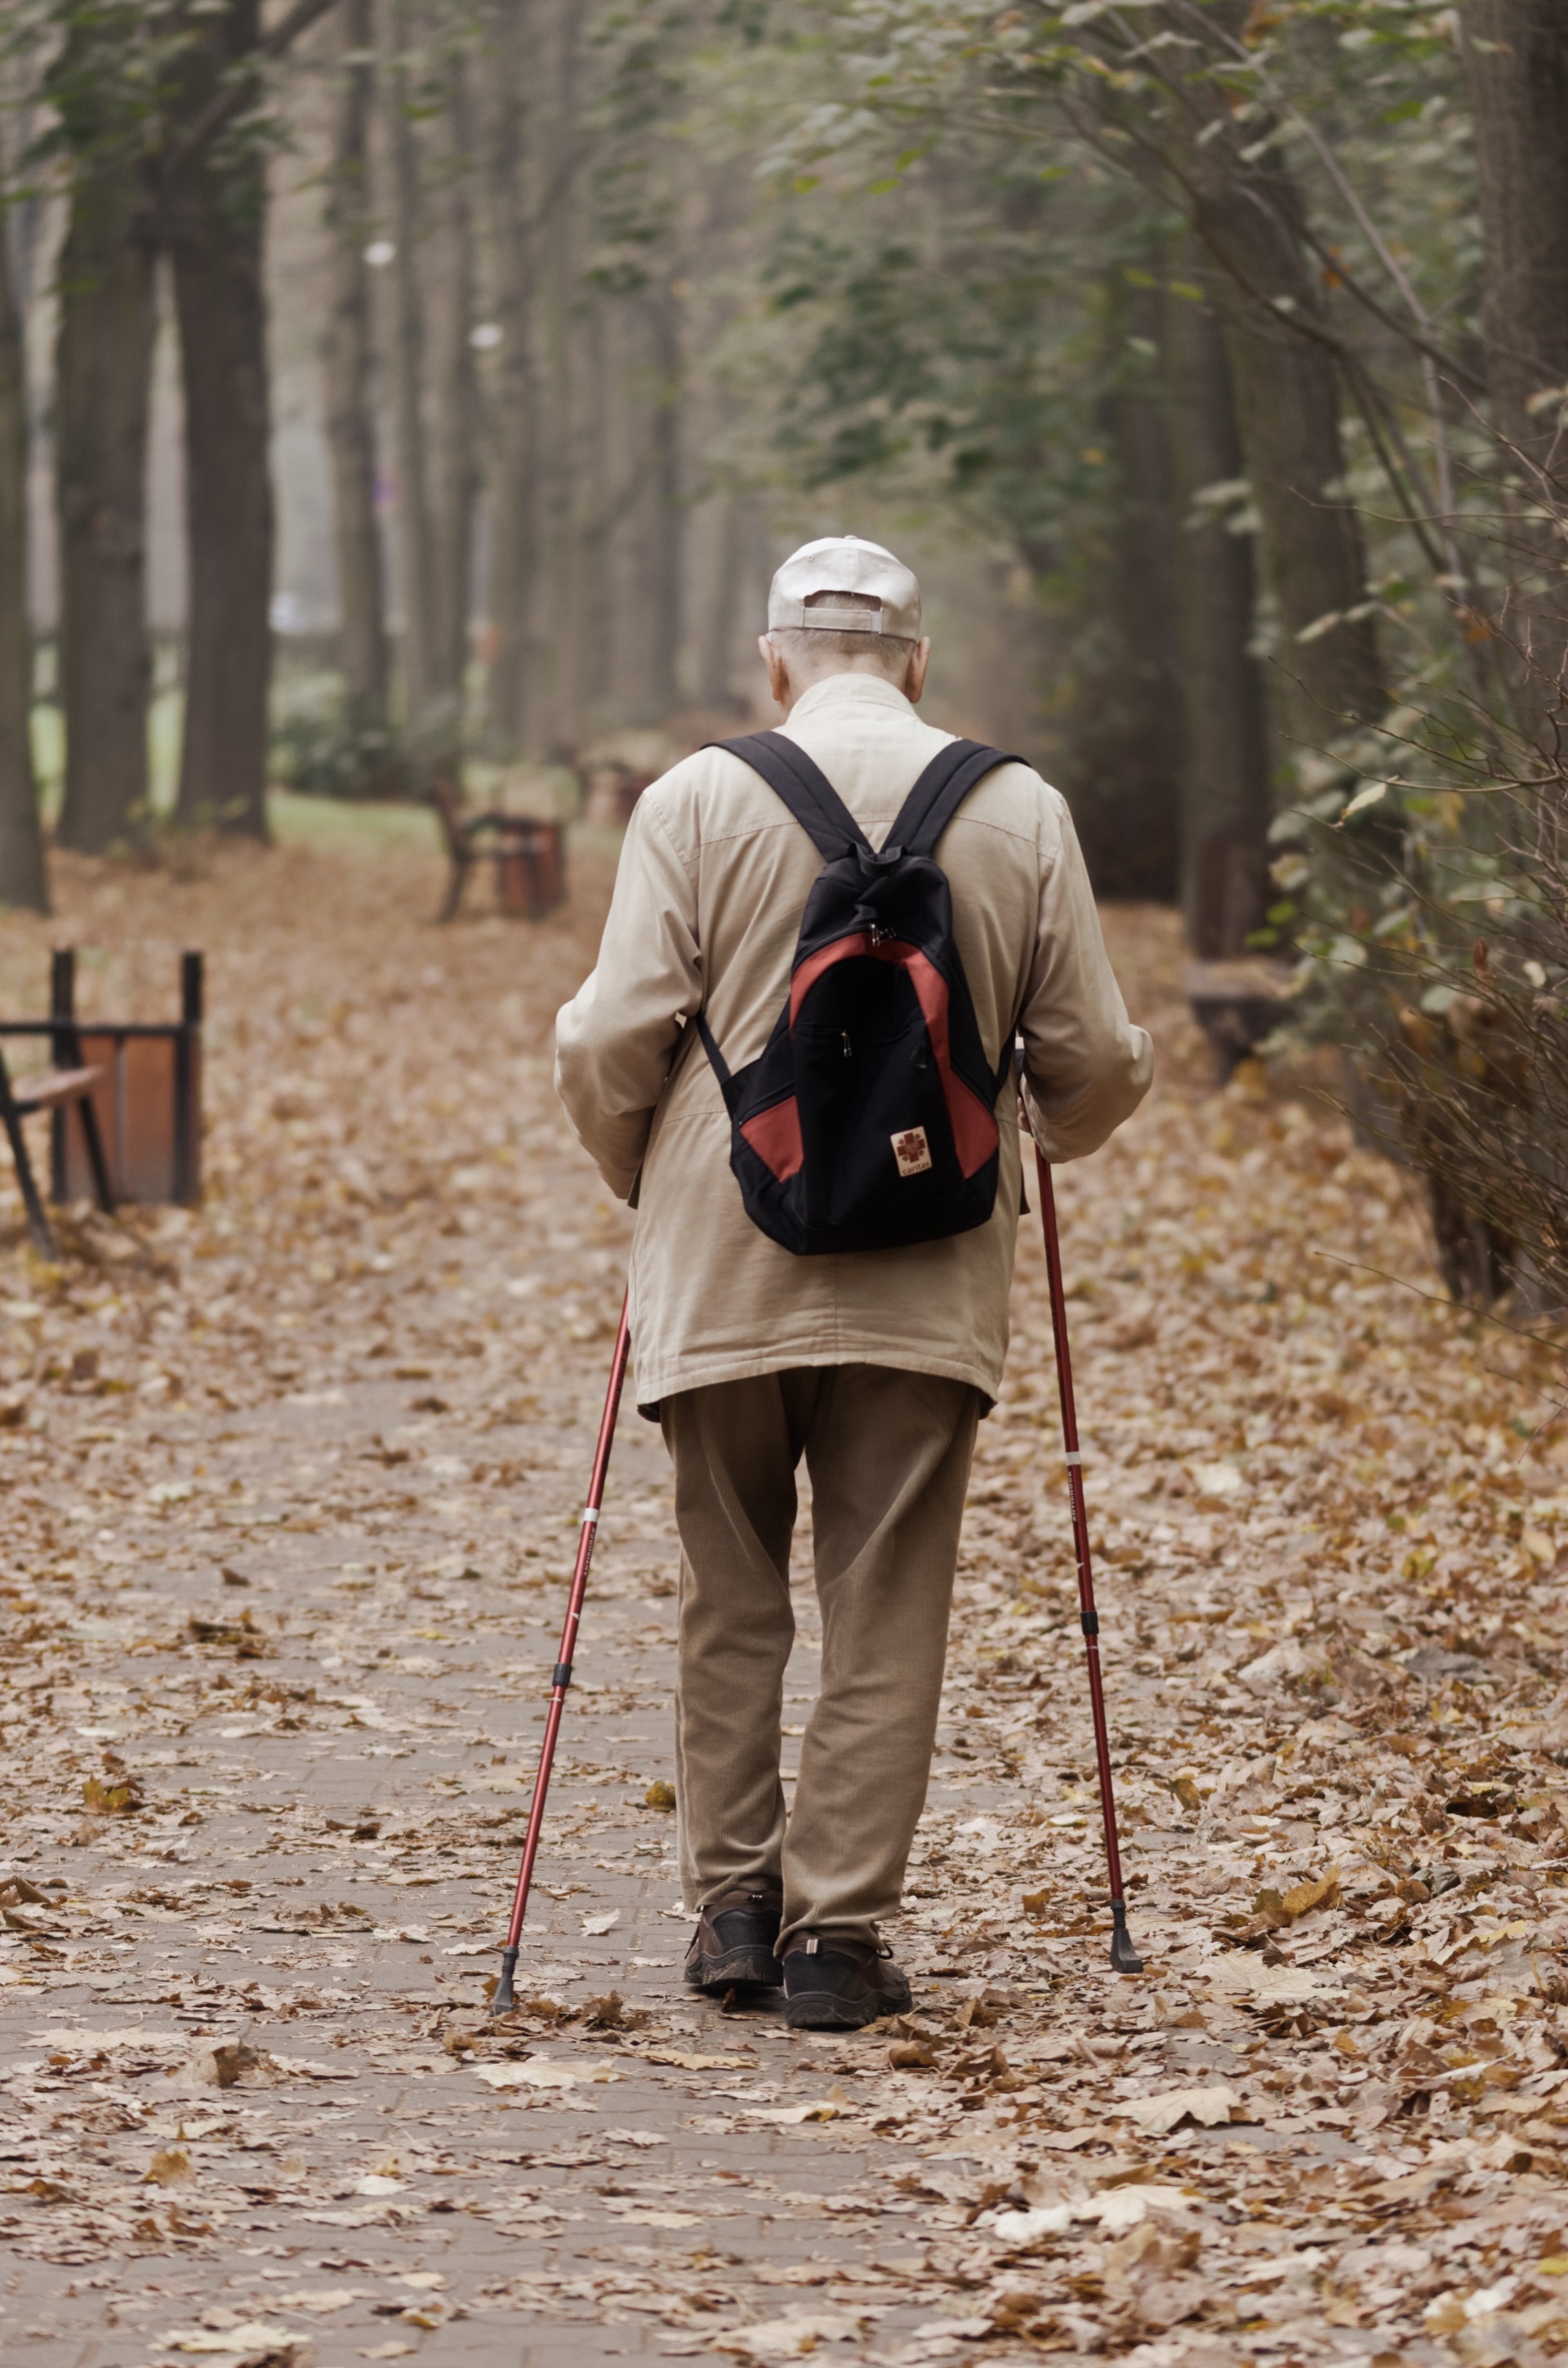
x: 503, y: 1999
x: 1123, y: 1955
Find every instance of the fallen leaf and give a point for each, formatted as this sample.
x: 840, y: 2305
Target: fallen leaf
x: 277, y: 2344
x: 1322, y: 1893
x: 536, y: 2072
x: 1218, y: 1480
x: 788, y: 2116
x: 170, y: 2166
x: 698, y: 2062
x: 1027, y: 2227
x: 790, y: 2338
x: 1240, y: 1971
x: 304, y: 2068
x: 1124, y: 2207
x: 71, y: 2039
x: 1207, y: 2106
x: 606, y: 1923
x: 226, y: 2066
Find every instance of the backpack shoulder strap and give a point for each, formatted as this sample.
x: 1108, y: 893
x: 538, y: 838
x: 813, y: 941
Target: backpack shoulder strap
x: 940, y: 790
x: 805, y: 788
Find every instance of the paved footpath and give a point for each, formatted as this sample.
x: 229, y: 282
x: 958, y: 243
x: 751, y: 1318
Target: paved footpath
x: 292, y: 1489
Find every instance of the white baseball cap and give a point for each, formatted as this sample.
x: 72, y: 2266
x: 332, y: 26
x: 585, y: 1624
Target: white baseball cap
x: 842, y: 562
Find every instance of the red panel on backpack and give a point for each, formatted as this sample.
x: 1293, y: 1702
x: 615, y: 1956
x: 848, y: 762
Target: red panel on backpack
x: 775, y: 1136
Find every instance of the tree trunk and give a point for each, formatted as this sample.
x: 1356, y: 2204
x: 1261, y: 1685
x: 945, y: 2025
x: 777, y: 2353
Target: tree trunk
x: 1287, y: 396
x: 562, y: 464
x: 667, y: 522
x: 715, y: 685
x: 1247, y: 214
x: 22, y: 879
x: 347, y: 359
x: 645, y: 554
x: 1125, y: 768
x: 1519, y: 86
x: 598, y: 500
x: 456, y: 457
x: 510, y: 687
x: 213, y: 217
x: 1518, y: 58
x: 1225, y: 802
x: 415, y: 544
x: 103, y: 382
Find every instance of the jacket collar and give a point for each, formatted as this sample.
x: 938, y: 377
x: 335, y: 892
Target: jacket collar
x: 863, y: 690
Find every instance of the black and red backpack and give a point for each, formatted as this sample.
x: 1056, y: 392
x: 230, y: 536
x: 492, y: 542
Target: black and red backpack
x: 870, y: 1119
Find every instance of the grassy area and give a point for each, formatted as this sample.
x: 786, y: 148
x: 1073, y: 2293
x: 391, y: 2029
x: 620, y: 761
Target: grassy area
x: 332, y: 825
x: 163, y: 721
x: 342, y: 826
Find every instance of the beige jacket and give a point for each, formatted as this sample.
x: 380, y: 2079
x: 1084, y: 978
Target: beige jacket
x: 712, y: 884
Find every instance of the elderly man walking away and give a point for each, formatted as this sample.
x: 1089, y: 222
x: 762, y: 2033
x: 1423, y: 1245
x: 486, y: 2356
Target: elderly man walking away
x: 758, y: 1337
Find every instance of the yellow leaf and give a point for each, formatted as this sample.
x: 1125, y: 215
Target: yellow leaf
x: 660, y: 1795
x: 169, y: 2167
x: 1324, y: 1893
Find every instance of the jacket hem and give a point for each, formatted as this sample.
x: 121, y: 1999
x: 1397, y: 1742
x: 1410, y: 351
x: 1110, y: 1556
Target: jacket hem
x: 701, y: 1373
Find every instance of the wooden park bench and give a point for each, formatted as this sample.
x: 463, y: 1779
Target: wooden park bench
x: 529, y: 856
x: 1238, y: 998
x: 136, y: 1088
x: 1237, y: 1004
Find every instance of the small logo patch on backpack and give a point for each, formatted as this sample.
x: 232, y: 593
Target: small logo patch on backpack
x: 911, y: 1151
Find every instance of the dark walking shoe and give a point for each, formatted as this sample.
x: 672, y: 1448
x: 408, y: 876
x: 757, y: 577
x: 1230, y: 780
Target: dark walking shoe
x: 838, y: 1984
x: 733, y: 1946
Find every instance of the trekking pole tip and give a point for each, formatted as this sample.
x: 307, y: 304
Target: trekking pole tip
x: 1123, y: 1955
x: 502, y: 2000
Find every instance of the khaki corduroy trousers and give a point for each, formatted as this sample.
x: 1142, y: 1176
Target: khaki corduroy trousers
x: 888, y: 1454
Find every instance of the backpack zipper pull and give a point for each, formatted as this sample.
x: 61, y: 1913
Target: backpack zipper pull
x: 848, y: 1047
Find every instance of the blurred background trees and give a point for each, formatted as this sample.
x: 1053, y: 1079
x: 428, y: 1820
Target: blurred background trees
x: 397, y: 389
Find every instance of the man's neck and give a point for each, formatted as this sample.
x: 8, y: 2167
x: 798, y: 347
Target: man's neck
x: 847, y: 672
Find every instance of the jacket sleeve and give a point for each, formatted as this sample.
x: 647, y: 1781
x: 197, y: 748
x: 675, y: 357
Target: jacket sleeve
x: 1086, y: 1066
x: 616, y: 1039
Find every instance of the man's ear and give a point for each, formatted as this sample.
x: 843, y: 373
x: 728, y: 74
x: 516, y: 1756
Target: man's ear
x: 914, y: 673
x: 777, y: 673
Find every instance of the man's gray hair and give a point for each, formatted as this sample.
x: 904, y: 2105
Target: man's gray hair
x: 805, y: 645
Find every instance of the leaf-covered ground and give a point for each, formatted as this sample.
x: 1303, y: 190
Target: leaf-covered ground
x: 291, y: 1486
